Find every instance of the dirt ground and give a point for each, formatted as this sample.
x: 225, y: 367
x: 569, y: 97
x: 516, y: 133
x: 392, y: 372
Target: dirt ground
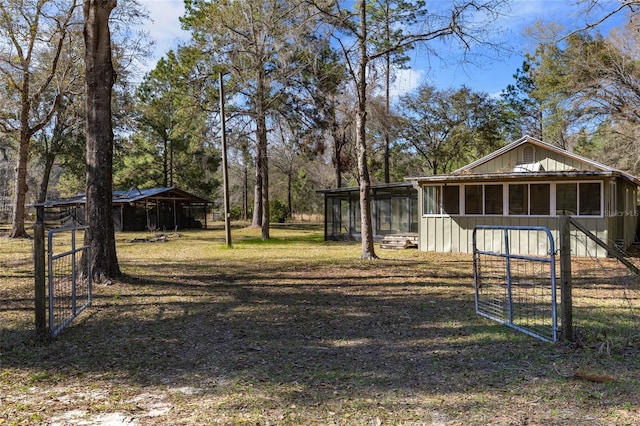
x: 293, y: 331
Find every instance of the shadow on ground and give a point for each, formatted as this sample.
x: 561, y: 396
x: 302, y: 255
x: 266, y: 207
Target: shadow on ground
x: 299, y: 334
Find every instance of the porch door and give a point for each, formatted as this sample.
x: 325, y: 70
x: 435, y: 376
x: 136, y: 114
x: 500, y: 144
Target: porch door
x: 400, y: 214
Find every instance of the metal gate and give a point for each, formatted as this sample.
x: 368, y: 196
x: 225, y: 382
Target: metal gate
x: 515, y: 279
x: 69, y: 285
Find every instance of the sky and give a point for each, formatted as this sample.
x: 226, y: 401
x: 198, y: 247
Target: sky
x: 491, y: 74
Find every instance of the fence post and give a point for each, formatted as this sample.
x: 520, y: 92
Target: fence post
x: 565, y: 278
x: 39, y: 273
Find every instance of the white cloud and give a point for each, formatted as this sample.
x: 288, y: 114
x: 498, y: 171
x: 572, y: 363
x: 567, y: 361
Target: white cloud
x: 406, y: 81
x: 164, y: 27
x: 491, y: 74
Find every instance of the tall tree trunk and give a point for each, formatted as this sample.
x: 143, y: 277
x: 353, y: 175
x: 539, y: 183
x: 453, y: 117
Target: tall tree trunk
x: 338, y: 143
x: 387, y: 58
x: 245, y: 193
x: 171, y: 164
x: 46, y: 176
x: 264, y: 170
x: 246, y: 160
x: 368, y: 251
x: 20, y: 186
x: 262, y: 160
x: 289, y: 195
x: 387, y: 142
x: 257, y: 195
x: 165, y: 163
x: 100, y: 78
x: 338, y: 167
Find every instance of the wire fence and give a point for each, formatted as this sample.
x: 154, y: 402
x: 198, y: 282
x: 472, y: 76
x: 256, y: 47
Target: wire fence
x: 606, y: 299
x: 518, y: 289
x: 513, y: 286
x: 69, y: 286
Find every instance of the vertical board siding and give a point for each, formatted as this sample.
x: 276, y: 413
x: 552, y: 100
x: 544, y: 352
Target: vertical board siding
x: 630, y: 219
x: 549, y: 160
x: 553, y: 161
x: 455, y: 237
x: 455, y: 234
x: 504, y: 163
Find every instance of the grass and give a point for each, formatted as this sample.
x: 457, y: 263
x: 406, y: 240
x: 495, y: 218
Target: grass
x: 292, y: 331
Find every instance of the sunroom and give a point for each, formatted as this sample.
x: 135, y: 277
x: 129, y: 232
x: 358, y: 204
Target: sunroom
x: 394, y: 209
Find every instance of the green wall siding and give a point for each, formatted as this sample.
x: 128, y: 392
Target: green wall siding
x: 455, y: 234
x: 550, y: 161
x: 618, y: 220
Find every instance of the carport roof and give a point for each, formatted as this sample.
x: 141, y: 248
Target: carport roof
x: 132, y: 195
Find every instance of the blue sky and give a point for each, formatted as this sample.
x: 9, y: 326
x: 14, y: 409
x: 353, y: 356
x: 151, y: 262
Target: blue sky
x: 491, y: 75
x: 494, y: 72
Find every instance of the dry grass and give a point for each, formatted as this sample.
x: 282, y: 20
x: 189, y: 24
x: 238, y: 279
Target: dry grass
x: 292, y: 331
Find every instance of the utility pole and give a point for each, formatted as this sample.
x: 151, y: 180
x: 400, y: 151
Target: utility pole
x: 225, y: 174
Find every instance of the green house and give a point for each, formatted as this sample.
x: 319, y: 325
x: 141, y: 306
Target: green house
x: 527, y: 183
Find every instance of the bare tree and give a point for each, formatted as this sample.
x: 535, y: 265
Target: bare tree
x: 63, y: 138
x: 597, y: 12
x: 451, y: 127
x: 342, y: 135
x: 466, y: 22
x: 100, y: 78
x: 260, y: 43
x: 26, y: 77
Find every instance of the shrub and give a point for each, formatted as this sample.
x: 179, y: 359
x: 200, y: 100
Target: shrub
x: 278, y: 212
x: 235, y: 213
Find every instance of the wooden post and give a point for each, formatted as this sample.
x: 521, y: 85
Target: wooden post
x: 175, y: 216
x: 225, y: 177
x: 565, y: 278
x: 39, y: 273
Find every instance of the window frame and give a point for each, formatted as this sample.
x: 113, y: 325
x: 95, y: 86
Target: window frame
x: 550, y: 199
x: 484, y: 199
x: 462, y: 205
x: 437, y: 210
x: 600, y: 206
x: 526, y: 199
x: 578, y: 207
x: 440, y: 200
x: 463, y: 211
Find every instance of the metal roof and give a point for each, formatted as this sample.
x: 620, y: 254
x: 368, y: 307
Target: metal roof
x: 373, y: 187
x: 517, y: 176
x: 131, y: 195
x: 465, y: 173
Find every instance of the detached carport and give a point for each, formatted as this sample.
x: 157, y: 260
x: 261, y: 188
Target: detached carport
x: 139, y: 209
